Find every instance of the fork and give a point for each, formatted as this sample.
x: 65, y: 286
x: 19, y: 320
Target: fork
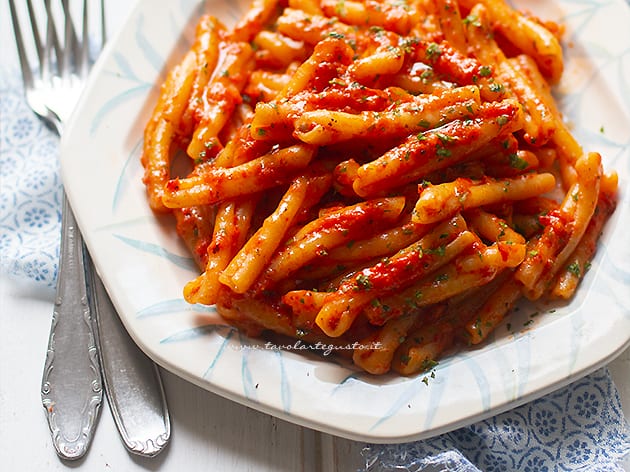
x: 89, y: 351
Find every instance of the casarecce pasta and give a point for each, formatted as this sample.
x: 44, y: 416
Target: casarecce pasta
x: 392, y: 176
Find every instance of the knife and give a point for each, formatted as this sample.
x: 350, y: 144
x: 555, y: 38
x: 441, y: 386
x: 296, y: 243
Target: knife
x: 133, y: 385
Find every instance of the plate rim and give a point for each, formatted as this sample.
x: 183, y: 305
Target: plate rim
x: 95, y: 246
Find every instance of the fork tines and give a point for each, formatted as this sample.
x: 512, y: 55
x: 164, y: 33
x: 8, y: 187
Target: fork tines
x: 54, y: 50
x: 54, y: 65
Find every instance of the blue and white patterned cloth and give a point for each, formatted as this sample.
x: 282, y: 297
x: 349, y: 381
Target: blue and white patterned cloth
x: 580, y: 427
x: 30, y: 188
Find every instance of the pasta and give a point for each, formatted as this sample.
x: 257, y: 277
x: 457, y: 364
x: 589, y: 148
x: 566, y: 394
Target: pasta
x: 386, y: 178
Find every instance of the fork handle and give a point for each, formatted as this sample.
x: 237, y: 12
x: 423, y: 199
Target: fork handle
x: 72, y: 388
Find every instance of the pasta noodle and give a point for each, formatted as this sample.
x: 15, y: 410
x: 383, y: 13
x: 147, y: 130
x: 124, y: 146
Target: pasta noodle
x: 385, y: 177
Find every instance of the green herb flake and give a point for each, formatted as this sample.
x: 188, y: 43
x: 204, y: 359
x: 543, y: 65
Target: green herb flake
x: 428, y: 364
x: 502, y: 120
x: 517, y: 162
x: 443, y: 152
x: 472, y: 20
x: 363, y: 281
x: 433, y: 51
x: 408, y: 44
x: 496, y: 87
x: 438, y: 251
x: 574, y: 268
x: 444, y: 138
x: 485, y: 71
x: 441, y: 278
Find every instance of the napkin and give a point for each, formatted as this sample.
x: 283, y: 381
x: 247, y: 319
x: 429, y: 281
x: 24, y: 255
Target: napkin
x: 580, y: 427
x: 30, y: 188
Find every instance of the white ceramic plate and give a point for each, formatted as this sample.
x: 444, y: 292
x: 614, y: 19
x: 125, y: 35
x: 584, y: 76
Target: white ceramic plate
x: 144, y: 266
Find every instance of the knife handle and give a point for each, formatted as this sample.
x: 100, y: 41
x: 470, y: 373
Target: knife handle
x: 71, y: 390
x: 132, y: 381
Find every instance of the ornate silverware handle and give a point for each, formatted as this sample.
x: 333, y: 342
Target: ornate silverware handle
x: 133, y: 385
x: 72, y: 389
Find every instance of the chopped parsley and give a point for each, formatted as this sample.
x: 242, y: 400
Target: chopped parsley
x: 433, y: 51
x: 502, y: 120
x: 443, y: 152
x: 363, y: 281
x: 574, y: 268
x: 517, y: 162
x: 472, y: 20
x: 445, y: 138
x: 485, y: 71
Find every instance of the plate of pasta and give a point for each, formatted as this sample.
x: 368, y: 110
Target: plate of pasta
x: 378, y: 219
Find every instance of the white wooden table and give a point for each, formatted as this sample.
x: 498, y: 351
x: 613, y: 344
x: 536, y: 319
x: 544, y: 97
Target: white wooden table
x: 209, y: 433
